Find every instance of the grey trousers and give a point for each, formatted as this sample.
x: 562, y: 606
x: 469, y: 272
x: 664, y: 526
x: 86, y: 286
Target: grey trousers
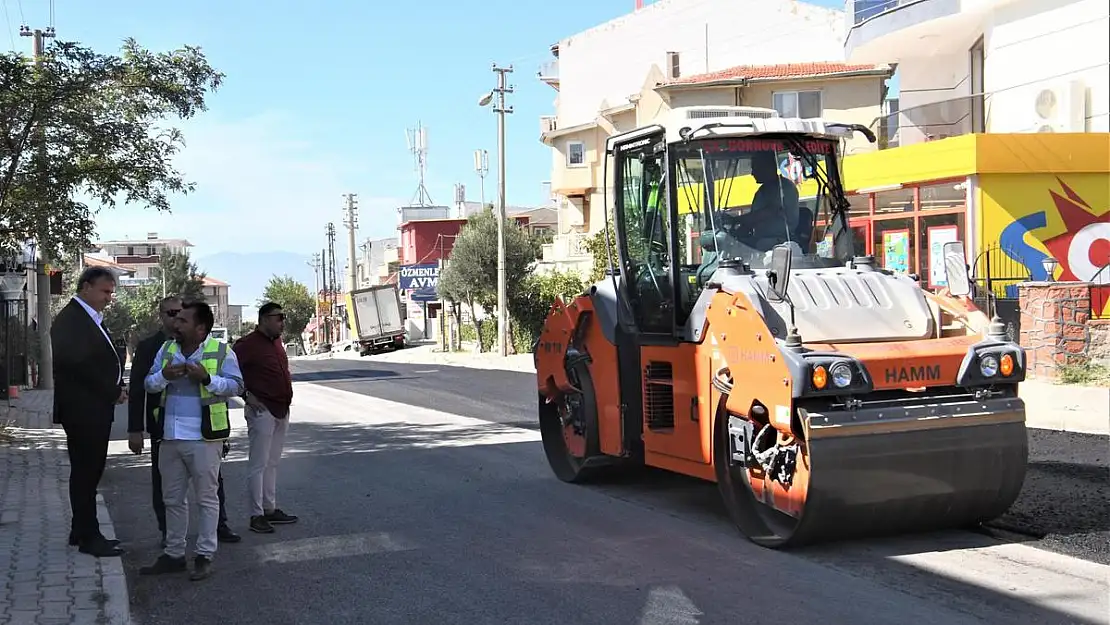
x: 267, y: 439
x: 179, y: 462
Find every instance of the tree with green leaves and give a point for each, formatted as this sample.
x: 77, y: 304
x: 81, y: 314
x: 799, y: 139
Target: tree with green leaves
x: 296, y: 302
x: 470, y: 276
x: 183, y: 278
x: 134, y: 313
x: 87, y: 122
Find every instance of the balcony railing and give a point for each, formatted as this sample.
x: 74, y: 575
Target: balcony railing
x: 549, y: 71
x: 566, y: 247
x: 930, y: 122
x: 548, y: 123
x: 859, y: 11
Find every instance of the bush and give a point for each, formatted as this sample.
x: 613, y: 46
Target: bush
x: 531, y: 306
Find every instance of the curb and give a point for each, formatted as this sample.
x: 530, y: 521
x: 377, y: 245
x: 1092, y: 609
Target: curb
x: 117, y: 604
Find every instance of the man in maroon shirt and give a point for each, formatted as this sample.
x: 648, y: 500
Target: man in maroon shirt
x: 269, y: 394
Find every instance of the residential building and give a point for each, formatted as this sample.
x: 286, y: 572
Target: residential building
x: 216, y: 295
x: 541, y: 220
x: 122, y: 272
x: 425, y: 241
x: 599, y: 68
x: 142, y: 254
x: 235, y: 317
x: 845, y: 92
x: 1001, y: 66
x: 372, y: 262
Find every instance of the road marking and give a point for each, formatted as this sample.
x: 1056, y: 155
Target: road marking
x: 669, y: 606
x: 323, y: 547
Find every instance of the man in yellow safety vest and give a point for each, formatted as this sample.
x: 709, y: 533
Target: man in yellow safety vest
x: 196, y: 375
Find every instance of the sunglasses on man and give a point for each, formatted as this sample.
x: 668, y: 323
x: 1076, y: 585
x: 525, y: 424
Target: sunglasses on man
x: 172, y: 312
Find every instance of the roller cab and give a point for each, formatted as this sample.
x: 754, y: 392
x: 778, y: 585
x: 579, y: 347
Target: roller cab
x: 739, y: 338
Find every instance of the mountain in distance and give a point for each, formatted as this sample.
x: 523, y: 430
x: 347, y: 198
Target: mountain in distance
x: 249, y: 273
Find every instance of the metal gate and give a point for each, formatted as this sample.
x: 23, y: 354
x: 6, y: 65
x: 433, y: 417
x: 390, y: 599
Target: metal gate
x: 14, y: 343
x: 996, y: 274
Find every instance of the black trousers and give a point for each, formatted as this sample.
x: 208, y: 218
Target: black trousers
x: 87, y: 446
x: 156, y: 489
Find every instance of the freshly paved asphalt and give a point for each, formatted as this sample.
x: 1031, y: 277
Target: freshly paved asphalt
x: 407, y: 521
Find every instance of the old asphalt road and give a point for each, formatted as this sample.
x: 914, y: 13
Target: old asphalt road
x: 425, y: 498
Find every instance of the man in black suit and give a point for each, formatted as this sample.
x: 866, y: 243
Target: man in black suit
x: 88, y: 384
x: 140, y: 415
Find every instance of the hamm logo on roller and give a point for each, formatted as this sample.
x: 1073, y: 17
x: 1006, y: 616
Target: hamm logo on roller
x: 913, y: 374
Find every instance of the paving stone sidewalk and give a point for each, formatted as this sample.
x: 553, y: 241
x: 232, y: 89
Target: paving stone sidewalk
x: 43, y: 581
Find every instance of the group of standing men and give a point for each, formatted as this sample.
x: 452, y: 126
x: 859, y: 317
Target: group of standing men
x: 181, y: 381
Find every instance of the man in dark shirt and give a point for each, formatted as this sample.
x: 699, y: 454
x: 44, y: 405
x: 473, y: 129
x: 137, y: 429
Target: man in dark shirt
x: 140, y: 414
x: 265, y: 367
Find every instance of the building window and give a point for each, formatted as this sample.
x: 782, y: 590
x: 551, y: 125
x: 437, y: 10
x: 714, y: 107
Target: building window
x: 674, y: 66
x: 576, y: 154
x: 803, y: 104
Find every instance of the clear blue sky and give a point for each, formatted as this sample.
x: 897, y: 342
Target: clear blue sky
x: 318, y: 97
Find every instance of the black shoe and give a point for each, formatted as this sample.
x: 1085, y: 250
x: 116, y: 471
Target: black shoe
x: 73, y: 540
x: 261, y: 525
x: 225, y: 535
x: 277, y: 517
x: 202, y: 568
x: 100, y: 548
x: 165, y: 564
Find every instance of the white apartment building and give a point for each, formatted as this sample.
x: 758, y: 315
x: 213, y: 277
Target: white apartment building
x: 1000, y: 66
x: 143, y: 255
x: 628, y: 71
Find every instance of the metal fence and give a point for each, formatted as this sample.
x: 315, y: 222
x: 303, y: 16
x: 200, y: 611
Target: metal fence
x: 15, y: 343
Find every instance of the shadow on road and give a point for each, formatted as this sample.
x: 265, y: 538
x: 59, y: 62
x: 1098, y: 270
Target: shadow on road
x: 333, y: 375
x: 465, y: 524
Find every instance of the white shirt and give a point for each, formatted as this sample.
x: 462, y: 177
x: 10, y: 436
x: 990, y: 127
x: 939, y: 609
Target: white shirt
x: 181, y: 421
x: 99, y: 320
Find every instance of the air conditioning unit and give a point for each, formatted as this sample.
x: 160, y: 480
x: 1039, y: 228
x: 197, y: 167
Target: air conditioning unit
x: 1060, y: 107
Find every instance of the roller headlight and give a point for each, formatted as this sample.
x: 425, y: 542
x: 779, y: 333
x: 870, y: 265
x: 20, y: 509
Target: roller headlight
x: 988, y: 366
x: 841, y: 375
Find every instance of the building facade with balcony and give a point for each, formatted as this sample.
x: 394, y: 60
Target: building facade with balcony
x: 969, y: 66
x: 670, y: 42
x: 834, y: 90
x: 142, y: 255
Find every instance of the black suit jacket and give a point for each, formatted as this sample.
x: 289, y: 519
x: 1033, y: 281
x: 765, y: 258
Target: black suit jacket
x: 86, y: 369
x: 140, y: 404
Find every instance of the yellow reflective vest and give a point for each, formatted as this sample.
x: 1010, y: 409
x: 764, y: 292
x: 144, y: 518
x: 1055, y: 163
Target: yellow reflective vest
x: 215, y: 424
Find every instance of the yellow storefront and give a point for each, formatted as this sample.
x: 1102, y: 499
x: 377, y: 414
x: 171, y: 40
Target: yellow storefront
x: 1016, y: 199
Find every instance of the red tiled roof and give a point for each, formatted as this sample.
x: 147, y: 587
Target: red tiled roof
x: 92, y: 261
x: 209, y: 281
x: 784, y: 71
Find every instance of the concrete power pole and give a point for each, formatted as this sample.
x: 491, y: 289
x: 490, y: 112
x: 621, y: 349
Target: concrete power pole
x: 316, y: 264
x: 333, y: 286
x: 502, y: 299
x: 42, y: 260
x: 350, y: 220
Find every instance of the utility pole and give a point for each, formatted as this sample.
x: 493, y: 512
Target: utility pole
x: 502, y: 299
x: 333, y: 282
x: 42, y: 260
x: 481, y: 167
x: 351, y: 221
x: 316, y: 264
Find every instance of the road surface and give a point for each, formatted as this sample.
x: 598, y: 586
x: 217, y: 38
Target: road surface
x: 423, y: 501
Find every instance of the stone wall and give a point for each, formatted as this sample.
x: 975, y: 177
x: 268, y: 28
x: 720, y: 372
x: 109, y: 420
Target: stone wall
x: 1099, y: 349
x: 1057, y: 329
